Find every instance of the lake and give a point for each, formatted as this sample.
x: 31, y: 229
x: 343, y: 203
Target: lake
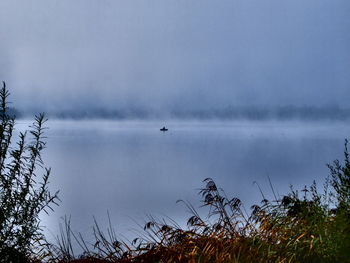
x: 132, y: 169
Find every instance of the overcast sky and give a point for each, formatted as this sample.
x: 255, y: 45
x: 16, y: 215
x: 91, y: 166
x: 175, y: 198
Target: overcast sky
x: 61, y: 54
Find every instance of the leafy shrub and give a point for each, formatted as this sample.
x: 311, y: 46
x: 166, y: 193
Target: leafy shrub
x: 24, y: 192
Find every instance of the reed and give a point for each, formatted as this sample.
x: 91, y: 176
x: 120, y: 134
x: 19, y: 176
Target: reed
x: 306, y: 225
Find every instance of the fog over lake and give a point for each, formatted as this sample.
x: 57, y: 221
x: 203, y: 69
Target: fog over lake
x: 165, y: 56
x: 132, y: 169
x: 249, y: 90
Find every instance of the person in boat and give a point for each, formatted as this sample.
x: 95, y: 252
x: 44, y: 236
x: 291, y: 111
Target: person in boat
x: 163, y: 129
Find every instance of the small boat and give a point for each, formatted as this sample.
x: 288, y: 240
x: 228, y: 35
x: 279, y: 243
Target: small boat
x: 163, y: 129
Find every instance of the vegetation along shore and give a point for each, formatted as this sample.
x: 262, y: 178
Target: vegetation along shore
x: 307, y: 225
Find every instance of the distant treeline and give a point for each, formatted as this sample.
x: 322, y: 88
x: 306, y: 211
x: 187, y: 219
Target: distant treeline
x: 229, y: 113
x: 264, y: 113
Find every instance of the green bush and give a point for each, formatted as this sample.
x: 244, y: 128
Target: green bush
x: 24, y: 189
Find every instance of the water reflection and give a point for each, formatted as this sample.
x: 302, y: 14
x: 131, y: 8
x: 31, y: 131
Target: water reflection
x: 133, y: 169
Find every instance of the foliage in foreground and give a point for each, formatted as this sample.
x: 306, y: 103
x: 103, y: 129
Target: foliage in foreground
x: 302, y: 226
x: 23, y: 192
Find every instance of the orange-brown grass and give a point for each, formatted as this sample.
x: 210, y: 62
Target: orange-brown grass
x: 301, y: 226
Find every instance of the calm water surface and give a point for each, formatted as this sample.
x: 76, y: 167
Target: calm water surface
x: 132, y: 169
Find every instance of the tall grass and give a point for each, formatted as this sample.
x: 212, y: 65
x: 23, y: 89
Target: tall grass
x: 306, y: 225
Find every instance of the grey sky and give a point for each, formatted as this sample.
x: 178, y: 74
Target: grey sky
x: 179, y: 53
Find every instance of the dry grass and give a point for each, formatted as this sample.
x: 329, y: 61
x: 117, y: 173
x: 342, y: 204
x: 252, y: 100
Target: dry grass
x: 302, y: 226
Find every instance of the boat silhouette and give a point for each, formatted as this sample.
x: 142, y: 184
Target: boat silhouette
x: 163, y: 129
